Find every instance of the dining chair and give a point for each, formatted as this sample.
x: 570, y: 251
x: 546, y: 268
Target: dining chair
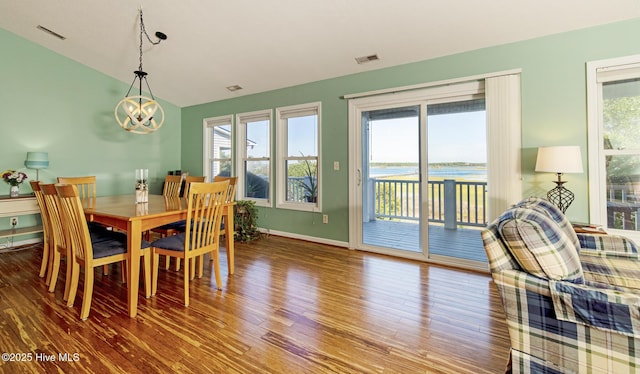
x: 46, y: 231
x: 227, y: 214
x: 88, y: 253
x: 205, y: 206
x: 171, y: 188
x: 178, y: 227
x: 191, y: 179
x: 58, y: 239
x: 188, y: 180
x: 172, y: 185
x: 87, y: 190
x: 86, y: 185
x: 230, y: 197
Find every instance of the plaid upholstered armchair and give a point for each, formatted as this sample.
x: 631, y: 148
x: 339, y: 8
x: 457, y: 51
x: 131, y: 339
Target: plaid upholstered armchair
x: 572, y: 303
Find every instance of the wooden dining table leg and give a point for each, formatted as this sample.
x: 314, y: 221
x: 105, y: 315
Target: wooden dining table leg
x: 134, y: 239
x: 229, y: 238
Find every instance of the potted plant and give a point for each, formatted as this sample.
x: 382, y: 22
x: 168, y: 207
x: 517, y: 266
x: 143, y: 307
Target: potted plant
x: 245, y: 219
x: 310, y: 182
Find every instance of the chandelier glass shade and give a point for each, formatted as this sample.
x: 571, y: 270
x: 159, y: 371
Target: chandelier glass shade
x: 140, y: 114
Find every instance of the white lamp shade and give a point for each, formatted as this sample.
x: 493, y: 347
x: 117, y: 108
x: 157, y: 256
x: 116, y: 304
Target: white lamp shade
x: 560, y: 159
x: 37, y: 160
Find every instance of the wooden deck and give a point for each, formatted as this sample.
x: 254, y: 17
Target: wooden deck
x: 462, y: 243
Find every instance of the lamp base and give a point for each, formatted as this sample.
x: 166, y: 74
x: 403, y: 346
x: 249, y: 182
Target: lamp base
x: 560, y: 196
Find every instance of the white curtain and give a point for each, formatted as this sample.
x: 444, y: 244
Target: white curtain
x: 502, y: 95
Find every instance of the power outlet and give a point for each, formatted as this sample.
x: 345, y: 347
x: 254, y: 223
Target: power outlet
x: 325, y: 218
x: 14, y: 221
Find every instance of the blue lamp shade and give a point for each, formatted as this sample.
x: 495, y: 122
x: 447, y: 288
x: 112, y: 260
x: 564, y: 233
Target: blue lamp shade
x: 37, y: 160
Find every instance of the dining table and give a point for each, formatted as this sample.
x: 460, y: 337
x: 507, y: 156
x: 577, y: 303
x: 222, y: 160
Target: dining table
x: 123, y: 213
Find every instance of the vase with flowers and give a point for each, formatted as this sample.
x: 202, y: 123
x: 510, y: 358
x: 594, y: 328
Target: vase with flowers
x: 14, y: 179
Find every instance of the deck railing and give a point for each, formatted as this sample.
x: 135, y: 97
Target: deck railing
x: 450, y: 202
x: 295, y: 188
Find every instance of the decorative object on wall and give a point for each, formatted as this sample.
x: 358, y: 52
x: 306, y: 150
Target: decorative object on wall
x: 559, y: 160
x: 140, y: 114
x: 37, y: 161
x: 14, y: 179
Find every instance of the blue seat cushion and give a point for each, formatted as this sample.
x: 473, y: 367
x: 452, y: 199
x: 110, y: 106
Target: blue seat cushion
x: 176, y: 226
x: 173, y: 243
x: 108, y: 248
x: 101, y: 234
x: 115, y: 244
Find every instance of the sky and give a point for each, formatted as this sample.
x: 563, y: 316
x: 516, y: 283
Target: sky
x: 302, y: 137
x: 458, y: 137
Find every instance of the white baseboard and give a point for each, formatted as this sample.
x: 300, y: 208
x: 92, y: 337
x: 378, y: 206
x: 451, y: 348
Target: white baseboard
x: 314, y: 239
x: 4, y: 246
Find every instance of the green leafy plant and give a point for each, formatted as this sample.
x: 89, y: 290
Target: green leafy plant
x: 245, y: 218
x: 310, y: 183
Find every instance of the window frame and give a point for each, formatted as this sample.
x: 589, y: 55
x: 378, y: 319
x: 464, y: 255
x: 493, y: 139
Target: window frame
x: 241, y: 153
x: 207, y: 126
x: 283, y: 114
x: 599, y: 72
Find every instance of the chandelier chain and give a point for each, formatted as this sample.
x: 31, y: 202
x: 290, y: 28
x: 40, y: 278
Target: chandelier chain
x: 143, y: 30
x: 140, y: 114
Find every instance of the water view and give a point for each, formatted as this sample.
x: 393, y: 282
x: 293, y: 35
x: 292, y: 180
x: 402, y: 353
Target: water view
x: 473, y: 172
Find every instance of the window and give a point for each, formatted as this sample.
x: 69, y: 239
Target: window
x: 254, y: 156
x: 298, y: 144
x: 217, y: 147
x: 614, y: 143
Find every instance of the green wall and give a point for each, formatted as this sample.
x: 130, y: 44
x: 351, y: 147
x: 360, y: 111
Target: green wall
x: 51, y: 103
x: 553, y: 113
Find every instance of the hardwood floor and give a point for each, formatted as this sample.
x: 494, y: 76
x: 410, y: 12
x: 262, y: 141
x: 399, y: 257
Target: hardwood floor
x: 291, y: 307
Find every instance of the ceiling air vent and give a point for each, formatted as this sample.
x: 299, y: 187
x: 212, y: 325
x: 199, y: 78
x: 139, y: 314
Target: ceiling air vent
x: 365, y: 59
x: 234, y: 88
x: 42, y: 28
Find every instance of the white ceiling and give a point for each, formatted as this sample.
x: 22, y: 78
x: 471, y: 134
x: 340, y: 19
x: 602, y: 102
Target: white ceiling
x: 263, y: 45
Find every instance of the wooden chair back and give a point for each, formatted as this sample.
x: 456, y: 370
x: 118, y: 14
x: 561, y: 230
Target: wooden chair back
x: 172, y: 186
x: 206, y: 203
x: 50, y: 197
x: 46, y: 228
x: 231, y: 191
x: 75, y: 222
x: 191, y: 179
x: 86, y: 185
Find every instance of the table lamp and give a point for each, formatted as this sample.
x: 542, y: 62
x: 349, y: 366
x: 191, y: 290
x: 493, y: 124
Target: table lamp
x: 37, y: 161
x: 559, y: 160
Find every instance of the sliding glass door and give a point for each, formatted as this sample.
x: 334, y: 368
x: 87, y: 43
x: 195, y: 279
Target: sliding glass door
x: 421, y: 170
x: 457, y: 178
x: 391, y: 178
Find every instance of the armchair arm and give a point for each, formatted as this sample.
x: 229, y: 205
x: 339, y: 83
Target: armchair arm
x: 601, y: 308
x: 551, y: 333
x: 596, y: 306
x: 607, y: 245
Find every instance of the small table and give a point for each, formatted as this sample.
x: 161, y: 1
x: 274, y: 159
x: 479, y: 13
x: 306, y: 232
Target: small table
x: 17, y: 206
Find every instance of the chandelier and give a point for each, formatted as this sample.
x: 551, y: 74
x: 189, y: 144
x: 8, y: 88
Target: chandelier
x: 140, y: 114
